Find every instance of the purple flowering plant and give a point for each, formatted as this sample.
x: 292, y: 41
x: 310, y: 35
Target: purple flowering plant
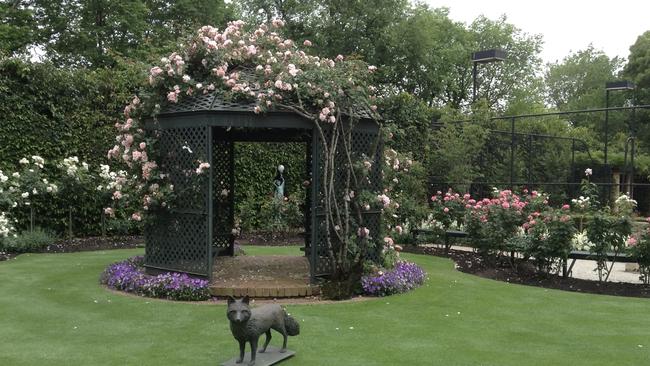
x: 129, y: 276
x: 404, y: 277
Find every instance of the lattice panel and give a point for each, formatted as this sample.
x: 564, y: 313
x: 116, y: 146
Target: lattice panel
x: 308, y: 208
x: 364, y: 144
x: 207, y: 102
x: 177, y: 242
x: 223, y: 176
x: 183, y: 149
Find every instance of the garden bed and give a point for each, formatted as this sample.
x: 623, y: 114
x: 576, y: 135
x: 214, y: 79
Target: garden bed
x: 86, y: 244
x: 524, y: 273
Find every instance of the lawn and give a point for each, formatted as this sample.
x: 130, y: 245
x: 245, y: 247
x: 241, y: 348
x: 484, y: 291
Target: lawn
x: 53, y: 312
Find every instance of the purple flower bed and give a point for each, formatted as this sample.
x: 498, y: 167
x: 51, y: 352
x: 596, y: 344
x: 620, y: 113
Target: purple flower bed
x: 404, y: 277
x: 128, y: 276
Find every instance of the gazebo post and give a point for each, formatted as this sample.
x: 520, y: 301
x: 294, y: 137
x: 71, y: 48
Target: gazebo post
x: 314, y: 187
x: 210, y: 203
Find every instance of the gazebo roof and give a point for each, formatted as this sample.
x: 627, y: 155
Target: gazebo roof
x: 208, y: 102
x: 216, y: 102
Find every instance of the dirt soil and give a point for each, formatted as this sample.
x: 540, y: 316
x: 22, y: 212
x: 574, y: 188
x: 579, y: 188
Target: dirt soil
x: 525, y: 274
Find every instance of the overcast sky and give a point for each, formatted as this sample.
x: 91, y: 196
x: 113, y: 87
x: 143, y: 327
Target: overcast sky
x: 566, y: 25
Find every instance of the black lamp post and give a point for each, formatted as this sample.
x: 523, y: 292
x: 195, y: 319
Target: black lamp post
x: 483, y: 57
x: 609, y: 86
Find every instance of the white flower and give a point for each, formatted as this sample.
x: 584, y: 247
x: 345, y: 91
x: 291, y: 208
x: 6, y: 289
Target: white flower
x: 16, y: 175
x: 24, y: 161
x: 24, y: 194
x: 588, y: 172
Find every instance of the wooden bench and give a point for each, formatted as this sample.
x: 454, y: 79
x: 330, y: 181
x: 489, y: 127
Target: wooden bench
x: 574, y: 255
x: 448, y: 234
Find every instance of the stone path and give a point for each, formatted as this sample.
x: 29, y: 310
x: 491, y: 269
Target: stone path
x: 584, y: 269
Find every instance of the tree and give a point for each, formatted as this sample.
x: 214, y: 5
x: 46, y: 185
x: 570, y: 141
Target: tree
x: 97, y: 32
x: 499, y: 83
x: 638, y: 66
x: 638, y: 71
x: 578, y: 82
x: 16, y: 26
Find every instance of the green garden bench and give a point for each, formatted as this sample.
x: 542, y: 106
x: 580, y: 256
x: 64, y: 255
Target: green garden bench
x: 448, y: 235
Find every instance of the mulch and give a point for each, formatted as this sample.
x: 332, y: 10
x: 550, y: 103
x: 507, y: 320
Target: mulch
x: 524, y: 273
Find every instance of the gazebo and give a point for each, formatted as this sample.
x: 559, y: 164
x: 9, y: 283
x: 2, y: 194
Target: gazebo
x: 200, y: 224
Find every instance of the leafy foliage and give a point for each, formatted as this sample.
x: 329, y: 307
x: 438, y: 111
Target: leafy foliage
x: 28, y: 241
x: 99, y: 33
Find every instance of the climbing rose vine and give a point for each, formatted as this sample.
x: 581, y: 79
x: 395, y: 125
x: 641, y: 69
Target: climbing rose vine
x: 258, y: 66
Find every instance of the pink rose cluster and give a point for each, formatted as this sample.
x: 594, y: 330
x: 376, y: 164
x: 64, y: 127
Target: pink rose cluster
x: 278, y: 62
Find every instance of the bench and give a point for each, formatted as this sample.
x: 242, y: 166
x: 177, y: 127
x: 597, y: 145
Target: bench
x: 448, y: 234
x: 574, y: 255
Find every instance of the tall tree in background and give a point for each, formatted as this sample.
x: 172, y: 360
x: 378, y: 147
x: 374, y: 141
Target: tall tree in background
x: 17, y: 26
x: 97, y: 32
x: 638, y: 67
x: 500, y: 83
x: 638, y: 71
x: 578, y: 82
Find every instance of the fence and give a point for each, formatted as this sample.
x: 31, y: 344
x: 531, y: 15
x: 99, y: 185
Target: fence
x: 555, y: 164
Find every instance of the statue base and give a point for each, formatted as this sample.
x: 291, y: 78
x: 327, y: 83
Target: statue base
x: 270, y: 357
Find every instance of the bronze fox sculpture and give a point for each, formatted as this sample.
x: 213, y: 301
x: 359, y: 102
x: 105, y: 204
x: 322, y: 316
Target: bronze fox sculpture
x: 247, y: 325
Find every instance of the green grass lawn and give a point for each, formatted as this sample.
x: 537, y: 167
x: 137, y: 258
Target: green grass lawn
x: 53, y: 312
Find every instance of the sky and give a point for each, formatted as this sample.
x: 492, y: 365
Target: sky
x: 566, y: 25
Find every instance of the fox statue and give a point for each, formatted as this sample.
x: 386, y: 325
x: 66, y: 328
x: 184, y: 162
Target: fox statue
x: 247, y: 325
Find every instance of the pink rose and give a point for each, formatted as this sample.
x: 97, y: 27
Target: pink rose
x: 363, y: 232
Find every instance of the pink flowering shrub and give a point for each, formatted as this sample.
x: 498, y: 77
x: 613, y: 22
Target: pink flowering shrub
x: 492, y: 222
x: 546, y: 237
x: 450, y: 208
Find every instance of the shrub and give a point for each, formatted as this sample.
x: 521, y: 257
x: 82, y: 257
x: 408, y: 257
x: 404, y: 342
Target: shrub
x: 270, y: 214
x: 548, y: 239
x: 29, y: 241
x: 607, y: 233
x: 492, y: 223
x: 639, y: 249
x: 404, y: 277
x: 449, y: 209
x: 129, y: 276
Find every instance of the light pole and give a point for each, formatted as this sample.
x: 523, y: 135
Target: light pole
x: 483, y: 57
x: 609, y: 86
